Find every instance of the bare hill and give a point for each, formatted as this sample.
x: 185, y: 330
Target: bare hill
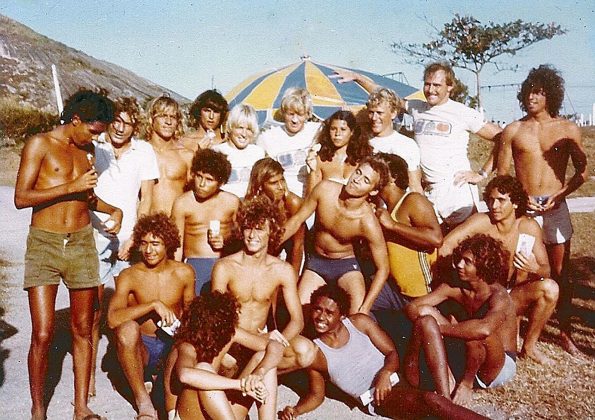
x: 25, y: 70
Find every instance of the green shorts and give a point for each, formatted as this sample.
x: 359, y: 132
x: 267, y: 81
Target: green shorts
x: 71, y: 257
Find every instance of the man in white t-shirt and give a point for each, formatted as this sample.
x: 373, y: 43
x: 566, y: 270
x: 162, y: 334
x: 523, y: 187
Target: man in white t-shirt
x: 290, y: 143
x: 442, y: 128
x: 125, y: 166
x: 383, y: 107
x: 241, y: 129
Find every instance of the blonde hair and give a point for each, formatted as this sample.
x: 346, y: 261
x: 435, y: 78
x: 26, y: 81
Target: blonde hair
x: 297, y: 100
x: 242, y: 113
x: 157, y: 106
x: 384, y: 95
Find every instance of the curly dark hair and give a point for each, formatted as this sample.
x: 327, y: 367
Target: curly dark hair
x: 255, y: 212
x: 397, y: 168
x: 506, y: 184
x: 213, y: 163
x: 380, y: 167
x: 547, y: 79
x: 89, y: 106
x: 129, y: 105
x: 491, y: 259
x: 161, y: 226
x: 208, y: 99
x: 209, y: 323
x: 335, y: 293
x: 358, y: 146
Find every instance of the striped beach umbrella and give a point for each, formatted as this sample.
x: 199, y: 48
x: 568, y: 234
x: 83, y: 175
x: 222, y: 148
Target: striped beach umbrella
x: 264, y: 90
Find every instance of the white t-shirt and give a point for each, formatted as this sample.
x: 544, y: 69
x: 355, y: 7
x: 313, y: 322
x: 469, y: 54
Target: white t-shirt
x: 399, y: 145
x: 442, y: 134
x: 241, y: 166
x: 290, y: 152
x: 120, y: 180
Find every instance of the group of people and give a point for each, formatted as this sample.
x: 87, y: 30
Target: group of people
x: 341, y: 247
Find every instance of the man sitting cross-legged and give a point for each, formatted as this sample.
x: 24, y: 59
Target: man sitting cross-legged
x: 356, y: 354
x: 155, y: 289
x: 343, y: 215
x: 531, y: 289
x: 489, y: 328
x: 196, y: 210
x: 208, y: 329
x: 254, y: 277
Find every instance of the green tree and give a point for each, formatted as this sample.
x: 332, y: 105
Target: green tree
x: 468, y: 44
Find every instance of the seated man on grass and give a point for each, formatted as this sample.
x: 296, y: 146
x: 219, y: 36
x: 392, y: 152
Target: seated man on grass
x: 155, y: 289
x: 356, y: 354
x: 489, y: 326
x: 208, y: 329
x: 528, y: 280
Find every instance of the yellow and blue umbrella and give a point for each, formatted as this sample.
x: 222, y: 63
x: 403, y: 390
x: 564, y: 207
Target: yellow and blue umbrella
x: 264, y: 91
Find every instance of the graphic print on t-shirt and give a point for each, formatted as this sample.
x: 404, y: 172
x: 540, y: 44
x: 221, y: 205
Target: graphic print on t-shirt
x: 432, y: 127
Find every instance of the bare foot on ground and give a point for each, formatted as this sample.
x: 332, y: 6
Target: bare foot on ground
x: 535, y: 355
x: 462, y: 394
x: 568, y: 345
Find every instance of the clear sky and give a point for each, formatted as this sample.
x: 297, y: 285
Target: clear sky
x: 189, y: 46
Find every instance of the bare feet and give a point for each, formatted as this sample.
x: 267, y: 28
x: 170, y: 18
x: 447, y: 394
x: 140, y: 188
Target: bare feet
x: 568, y: 345
x: 462, y: 394
x: 38, y: 415
x: 146, y: 411
x: 535, y: 355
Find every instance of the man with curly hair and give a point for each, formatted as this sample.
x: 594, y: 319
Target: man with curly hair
x: 531, y: 289
x: 207, y: 116
x: 343, y: 216
x: 255, y: 277
x: 356, y: 354
x: 127, y: 170
x: 205, y: 215
x: 56, y: 178
x: 209, y: 327
x: 541, y: 144
x: 154, y: 290
x: 164, y: 129
x: 487, y: 325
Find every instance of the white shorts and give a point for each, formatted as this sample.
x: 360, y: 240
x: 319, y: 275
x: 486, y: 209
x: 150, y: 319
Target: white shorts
x: 556, y: 224
x: 453, y: 205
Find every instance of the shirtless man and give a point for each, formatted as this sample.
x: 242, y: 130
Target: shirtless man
x: 344, y: 215
x: 489, y: 328
x: 205, y: 215
x: 528, y: 270
x: 163, y: 131
x: 356, y: 354
x: 442, y: 128
x: 56, y: 178
x: 255, y: 277
x: 207, y: 115
x: 412, y: 236
x: 155, y: 289
x: 209, y: 327
x: 541, y: 144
